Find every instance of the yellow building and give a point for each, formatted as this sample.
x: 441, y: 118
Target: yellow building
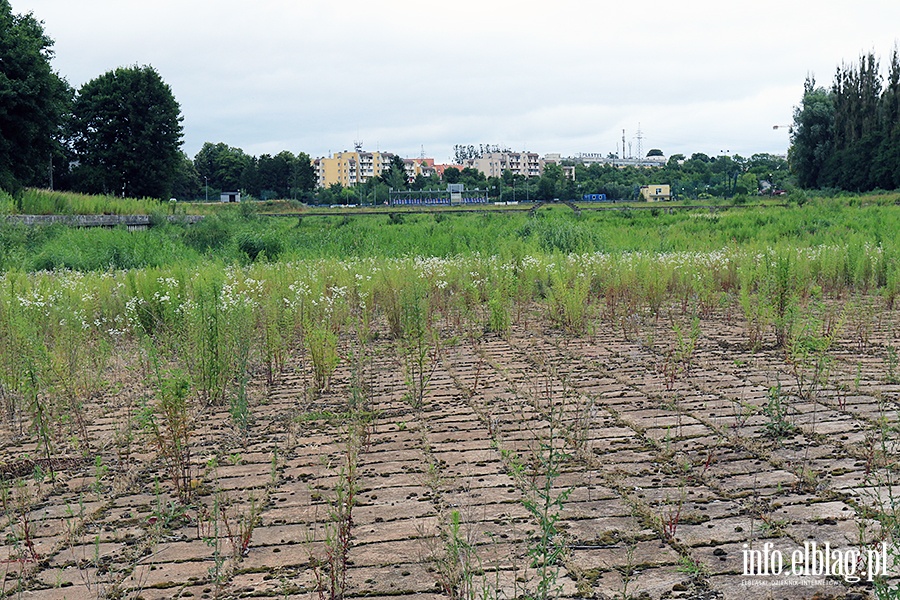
x: 655, y: 193
x: 352, y: 168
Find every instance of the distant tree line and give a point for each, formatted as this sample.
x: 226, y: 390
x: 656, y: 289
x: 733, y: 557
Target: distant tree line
x: 118, y: 134
x: 219, y: 167
x: 694, y: 178
x: 848, y: 136
x: 34, y: 100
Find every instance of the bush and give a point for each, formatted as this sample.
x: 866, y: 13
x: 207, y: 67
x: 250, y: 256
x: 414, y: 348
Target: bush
x: 158, y: 218
x: 102, y: 249
x: 254, y: 244
x: 209, y: 234
x: 247, y: 209
x: 7, y: 204
x: 797, y: 197
x: 560, y: 235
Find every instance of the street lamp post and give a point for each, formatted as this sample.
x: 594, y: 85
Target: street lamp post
x: 790, y: 129
x: 206, y: 179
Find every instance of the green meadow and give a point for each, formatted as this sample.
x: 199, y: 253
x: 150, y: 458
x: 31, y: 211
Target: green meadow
x: 241, y: 235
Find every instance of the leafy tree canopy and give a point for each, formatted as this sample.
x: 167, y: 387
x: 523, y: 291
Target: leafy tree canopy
x: 187, y: 184
x: 127, y: 133
x: 33, y: 101
x: 226, y: 168
x: 222, y: 166
x: 848, y: 136
x: 394, y: 176
x: 451, y: 175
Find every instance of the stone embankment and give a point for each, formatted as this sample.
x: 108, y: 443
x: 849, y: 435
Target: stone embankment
x: 130, y: 221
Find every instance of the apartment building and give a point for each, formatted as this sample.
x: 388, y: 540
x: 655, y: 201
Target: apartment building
x: 419, y: 166
x: 557, y: 159
x: 588, y: 159
x: 350, y: 168
x: 358, y: 167
x: 492, y: 164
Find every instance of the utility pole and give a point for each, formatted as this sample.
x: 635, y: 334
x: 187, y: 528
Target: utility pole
x: 640, y: 145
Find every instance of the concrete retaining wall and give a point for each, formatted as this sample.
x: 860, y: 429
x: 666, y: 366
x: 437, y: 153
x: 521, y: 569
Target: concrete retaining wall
x: 131, y: 221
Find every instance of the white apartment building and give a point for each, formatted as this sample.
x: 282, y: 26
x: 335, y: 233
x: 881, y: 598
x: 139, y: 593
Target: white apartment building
x: 492, y: 164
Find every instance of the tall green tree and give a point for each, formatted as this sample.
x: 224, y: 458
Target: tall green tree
x: 303, y: 183
x: 126, y: 127
x: 187, y: 184
x: 221, y: 166
x: 394, y: 176
x: 451, y: 175
x: 249, y: 181
x: 551, y: 183
x: 472, y: 178
x: 812, y: 135
x: 855, y: 95
x: 886, y: 164
x: 277, y: 175
x: 33, y: 101
x: 848, y: 137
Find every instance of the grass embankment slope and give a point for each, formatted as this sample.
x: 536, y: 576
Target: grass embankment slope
x: 239, y: 235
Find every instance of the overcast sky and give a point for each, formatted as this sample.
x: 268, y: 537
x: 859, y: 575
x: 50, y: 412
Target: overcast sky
x: 563, y: 76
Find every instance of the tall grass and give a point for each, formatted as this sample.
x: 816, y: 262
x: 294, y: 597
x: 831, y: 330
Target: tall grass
x: 48, y: 202
x: 203, y: 313
x: 233, y: 238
